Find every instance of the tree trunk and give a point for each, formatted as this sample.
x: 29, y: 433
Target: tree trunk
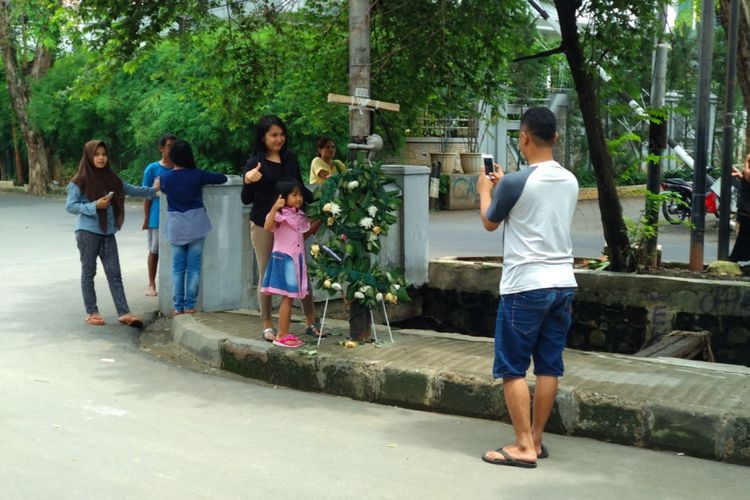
x: 39, y: 177
x: 360, y: 326
x: 615, y: 232
x: 56, y: 168
x: 743, y: 53
x: 20, y: 181
x: 3, y: 170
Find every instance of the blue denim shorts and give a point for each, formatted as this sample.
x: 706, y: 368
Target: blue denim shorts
x: 530, y: 324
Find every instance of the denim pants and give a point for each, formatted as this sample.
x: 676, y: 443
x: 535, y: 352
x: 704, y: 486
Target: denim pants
x: 186, y: 274
x: 534, y: 324
x: 91, y: 246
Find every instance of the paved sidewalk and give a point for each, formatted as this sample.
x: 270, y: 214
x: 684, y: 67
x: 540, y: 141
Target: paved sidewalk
x: 701, y: 409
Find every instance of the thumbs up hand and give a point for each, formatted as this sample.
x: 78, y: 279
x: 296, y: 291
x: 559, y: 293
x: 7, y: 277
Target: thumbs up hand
x: 253, y: 175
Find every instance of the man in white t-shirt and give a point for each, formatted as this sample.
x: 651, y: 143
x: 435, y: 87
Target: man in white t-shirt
x: 536, y: 206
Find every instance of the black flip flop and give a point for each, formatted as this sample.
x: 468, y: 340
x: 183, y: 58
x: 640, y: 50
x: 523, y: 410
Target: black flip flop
x: 510, y: 461
x: 544, y: 453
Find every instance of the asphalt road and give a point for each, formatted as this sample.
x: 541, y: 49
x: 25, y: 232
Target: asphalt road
x: 88, y: 412
x: 461, y: 233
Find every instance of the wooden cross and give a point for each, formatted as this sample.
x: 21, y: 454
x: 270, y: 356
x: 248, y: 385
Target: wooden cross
x: 358, y: 128
x: 363, y: 103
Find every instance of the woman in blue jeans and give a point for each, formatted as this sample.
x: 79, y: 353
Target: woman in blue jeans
x: 187, y: 223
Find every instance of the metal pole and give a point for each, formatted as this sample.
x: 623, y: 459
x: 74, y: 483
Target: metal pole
x: 725, y: 205
x: 698, y: 215
x: 657, y: 136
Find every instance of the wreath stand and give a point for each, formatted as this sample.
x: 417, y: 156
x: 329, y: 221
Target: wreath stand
x: 372, y: 320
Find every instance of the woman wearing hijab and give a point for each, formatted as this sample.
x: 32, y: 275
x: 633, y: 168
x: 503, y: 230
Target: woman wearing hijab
x: 97, y: 196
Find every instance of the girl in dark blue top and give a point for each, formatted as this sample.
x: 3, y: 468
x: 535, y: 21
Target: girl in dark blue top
x: 187, y: 223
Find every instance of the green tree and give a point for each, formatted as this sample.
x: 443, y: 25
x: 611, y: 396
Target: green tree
x: 30, y: 31
x: 605, y: 41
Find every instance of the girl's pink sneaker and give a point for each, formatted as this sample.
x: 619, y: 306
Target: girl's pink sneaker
x: 288, y: 341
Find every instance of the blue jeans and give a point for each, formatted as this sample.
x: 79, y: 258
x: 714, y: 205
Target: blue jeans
x: 532, y: 324
x: 186, y: 274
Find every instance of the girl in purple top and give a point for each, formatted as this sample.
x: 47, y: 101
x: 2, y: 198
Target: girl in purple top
x: 187, y: 223
x: 286, y: 272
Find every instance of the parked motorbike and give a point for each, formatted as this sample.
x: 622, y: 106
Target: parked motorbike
x: 677, y: 209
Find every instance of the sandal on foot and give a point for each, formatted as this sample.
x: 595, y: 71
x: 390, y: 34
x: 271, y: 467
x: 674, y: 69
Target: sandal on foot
x: 508, y: 460
x: 314, y: 331
x: 288, y: 341
x: 270, y: 334
x: 192, y: 310
x: 131, y: 320
x: 544, y: 453
x: 95, y: 320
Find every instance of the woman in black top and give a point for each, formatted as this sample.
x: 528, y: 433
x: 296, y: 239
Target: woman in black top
x: 741, y: 250
x: 270, y: 162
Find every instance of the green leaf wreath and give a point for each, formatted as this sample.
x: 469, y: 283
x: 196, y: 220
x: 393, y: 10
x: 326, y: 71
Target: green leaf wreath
x: 356, y: 211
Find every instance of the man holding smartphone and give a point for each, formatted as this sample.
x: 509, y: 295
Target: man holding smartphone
x: 536, y: 206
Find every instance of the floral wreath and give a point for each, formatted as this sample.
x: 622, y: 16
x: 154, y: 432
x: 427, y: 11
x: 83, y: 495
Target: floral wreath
x: 356, y: 210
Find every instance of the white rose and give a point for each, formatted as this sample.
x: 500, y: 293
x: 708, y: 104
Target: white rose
x: 379, y: 297
x: 359, y: 295
x: 327, y: 207
x: 352, y: 185
x: 336, y: 286
x: 372, y: 210
x: 365, y: 222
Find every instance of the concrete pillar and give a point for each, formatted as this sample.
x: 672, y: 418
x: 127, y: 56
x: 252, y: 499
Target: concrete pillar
x: 228, y: 260
x: 407, y: 246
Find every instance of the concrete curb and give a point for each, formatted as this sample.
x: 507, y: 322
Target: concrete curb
x: 581, y: 409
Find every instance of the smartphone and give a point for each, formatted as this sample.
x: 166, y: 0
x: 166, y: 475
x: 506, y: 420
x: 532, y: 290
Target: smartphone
x: 489, y: 164
x: 110, y: 194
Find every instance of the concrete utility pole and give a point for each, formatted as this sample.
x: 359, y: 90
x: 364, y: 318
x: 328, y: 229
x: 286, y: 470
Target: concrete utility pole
x: 657, y: 134
x: 725, y: 206
x: 359, y: 66
x: 698, y: 215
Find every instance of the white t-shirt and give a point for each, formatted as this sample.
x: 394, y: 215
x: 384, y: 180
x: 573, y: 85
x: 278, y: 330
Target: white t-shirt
x: 537, y: 207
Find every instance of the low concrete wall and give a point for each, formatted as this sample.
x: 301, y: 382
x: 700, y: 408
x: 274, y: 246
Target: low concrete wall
x: 613, y: 312
x: 462, y: 192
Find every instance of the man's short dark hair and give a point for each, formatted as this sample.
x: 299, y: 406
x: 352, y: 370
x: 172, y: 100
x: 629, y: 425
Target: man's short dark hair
x: 166, y: 137
x: 541, y: 124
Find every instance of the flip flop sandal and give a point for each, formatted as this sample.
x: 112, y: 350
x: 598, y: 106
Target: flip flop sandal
x: 95, y: 320
x: 314, y: 331
x: 544, y: 453
x: 269, y: 334
x: 289, y: 341
x: 133, y: 321
x: 510, y: 461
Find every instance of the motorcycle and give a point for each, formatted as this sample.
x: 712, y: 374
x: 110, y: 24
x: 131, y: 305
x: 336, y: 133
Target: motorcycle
x: 677, y: 208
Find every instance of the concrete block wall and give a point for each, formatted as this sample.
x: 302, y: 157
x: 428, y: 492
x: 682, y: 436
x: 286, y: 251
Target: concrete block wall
x: 417, y: 150
x: 613, y: 312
